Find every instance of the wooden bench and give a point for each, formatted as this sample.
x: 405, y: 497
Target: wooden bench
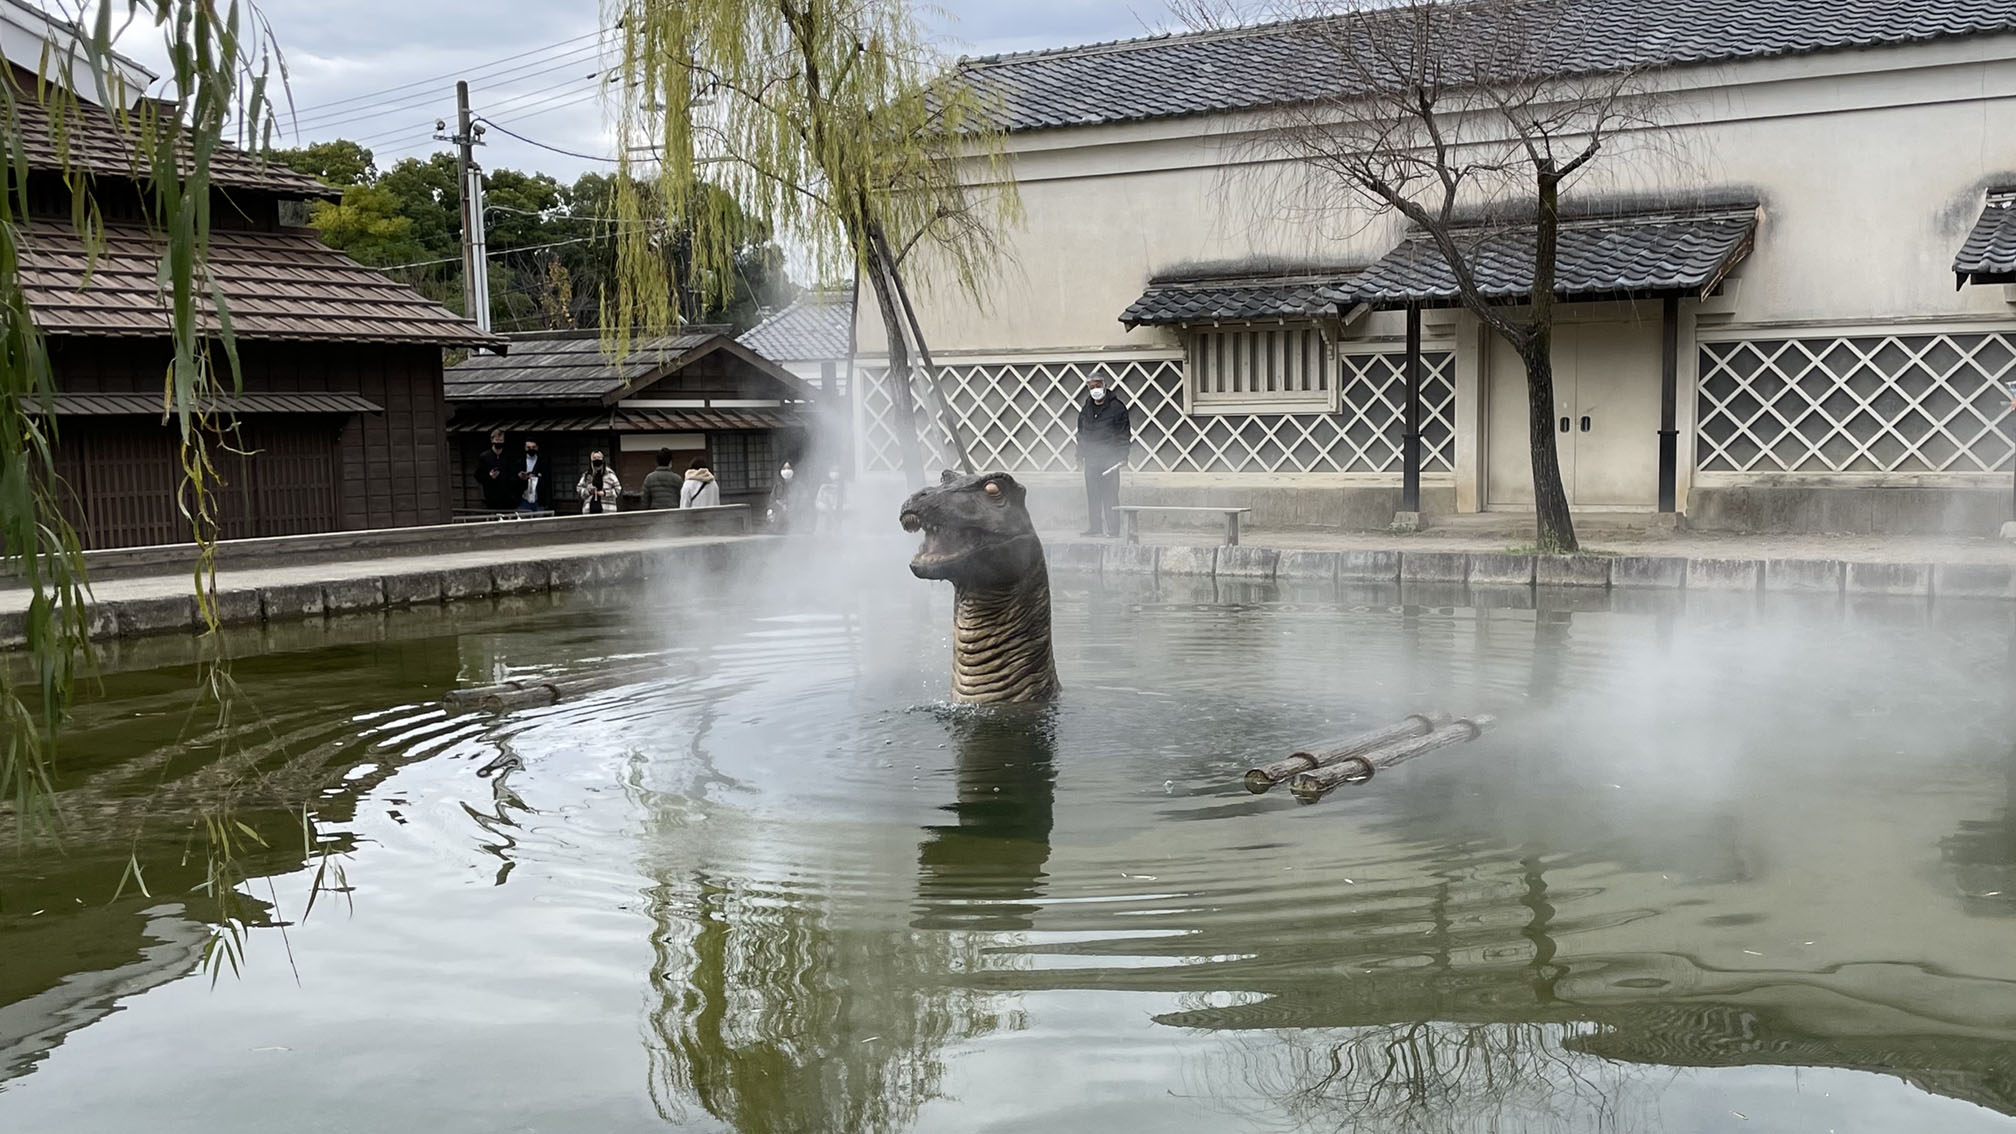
x: 1131, y: 533
x: 485, y: 515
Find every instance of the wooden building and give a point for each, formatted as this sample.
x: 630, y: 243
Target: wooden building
x: 697, y: 393
x: 340, y: 422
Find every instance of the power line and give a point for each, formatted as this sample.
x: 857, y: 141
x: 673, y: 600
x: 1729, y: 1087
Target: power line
x: 452, y: 76
x: 403, y: 133
x: 498, y: 252
x: 564, y: 216
x: 527, y: 109
x: 325, y: 121
x: 542, y: 145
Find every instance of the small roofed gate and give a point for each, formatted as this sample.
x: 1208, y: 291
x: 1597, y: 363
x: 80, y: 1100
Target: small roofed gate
x: 274, y: 475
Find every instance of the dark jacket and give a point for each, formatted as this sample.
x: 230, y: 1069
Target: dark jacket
x: 547, y: 476
x: 1105, y: 428
x: 661, y: 488
x: 501, y: 491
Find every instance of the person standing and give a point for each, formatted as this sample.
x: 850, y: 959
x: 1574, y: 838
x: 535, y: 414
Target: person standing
x: 599, y: 489
x: 495, y: 477
x: 1104, y: 433
x: 661, y: 485
x: 829, y: 502
x: 700, y: 490
x: 780, y: 498
x: 535, y: 490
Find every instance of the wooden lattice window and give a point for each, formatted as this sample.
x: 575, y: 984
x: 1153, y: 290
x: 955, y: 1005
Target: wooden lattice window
x: 1244, y: 368
x: 1875, y: 403
x: 744, y: 462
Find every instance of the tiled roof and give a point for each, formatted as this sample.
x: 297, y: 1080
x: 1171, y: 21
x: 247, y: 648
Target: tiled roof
x: 149, y: 405
x: 1238, y: 300
x: 1596, y: 258
x: 1200, y: 73
x: 280, y: 285
x: 1989, y: 254
x: 813, y: 328
x: 635, y: 421
x: 541, y: 368
x: 97, y: 143
x: 570, y: 366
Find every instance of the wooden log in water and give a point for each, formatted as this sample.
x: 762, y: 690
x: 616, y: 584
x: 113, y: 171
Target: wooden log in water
x: 524, y: 697
x: 524, y: 691
x: 1267, y: 775
x: 1314, y: 785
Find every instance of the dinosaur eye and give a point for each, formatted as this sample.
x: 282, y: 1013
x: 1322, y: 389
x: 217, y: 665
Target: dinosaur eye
x: 992, y: 489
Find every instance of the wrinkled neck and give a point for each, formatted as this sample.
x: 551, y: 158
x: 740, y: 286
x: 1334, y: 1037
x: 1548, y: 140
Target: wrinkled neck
x: 1001, y: 640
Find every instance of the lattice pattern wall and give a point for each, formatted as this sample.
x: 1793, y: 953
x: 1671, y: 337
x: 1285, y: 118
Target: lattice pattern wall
x: 1862, y: 404
x: 1021, y: 417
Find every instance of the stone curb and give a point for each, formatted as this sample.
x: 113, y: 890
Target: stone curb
x: 251, y: 603
x: 1501, y: 572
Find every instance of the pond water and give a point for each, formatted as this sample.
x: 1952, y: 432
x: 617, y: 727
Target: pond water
x: 1725, y: 864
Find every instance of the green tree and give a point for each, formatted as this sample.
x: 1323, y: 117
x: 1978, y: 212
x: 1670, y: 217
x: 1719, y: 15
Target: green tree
x: 369, y: 225
x: 826, y: 121
x: 430, y: 197
x: 341, y: 162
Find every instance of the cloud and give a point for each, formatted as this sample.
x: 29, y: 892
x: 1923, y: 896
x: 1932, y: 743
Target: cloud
x: 382, y: 72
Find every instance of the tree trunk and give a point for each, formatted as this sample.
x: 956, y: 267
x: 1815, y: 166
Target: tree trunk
x: 1556, y: 529
x: 945, y: 420
x: 903, y: 410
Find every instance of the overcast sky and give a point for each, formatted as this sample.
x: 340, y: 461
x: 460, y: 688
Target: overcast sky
x: 381, y: 71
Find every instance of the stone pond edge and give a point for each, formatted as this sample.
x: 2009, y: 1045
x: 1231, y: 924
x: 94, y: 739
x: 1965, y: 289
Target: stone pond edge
x: 1489, y: 569
x: 252, y: 604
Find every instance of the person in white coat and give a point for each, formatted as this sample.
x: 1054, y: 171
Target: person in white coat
x: 700, y: 489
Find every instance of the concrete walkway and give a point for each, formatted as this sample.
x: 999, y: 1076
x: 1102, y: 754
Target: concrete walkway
x: 1840, y: 564
x: 162, y: 601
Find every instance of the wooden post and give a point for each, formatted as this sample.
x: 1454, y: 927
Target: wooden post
x: 1231, y: 529
x: 1669, y: 409
x: 1410, y: 436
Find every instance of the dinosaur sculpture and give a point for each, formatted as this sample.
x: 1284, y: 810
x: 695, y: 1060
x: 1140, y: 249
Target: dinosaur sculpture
x: 978, y: 536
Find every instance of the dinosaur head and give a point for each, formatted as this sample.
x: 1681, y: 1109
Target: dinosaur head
x: 977, y: 531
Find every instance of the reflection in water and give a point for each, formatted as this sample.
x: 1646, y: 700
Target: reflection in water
x: 986, y: 871
x: 1439, y: 1077
x: 503, y: 798
x: 776, y: 1009
x: 1688, y: 849
x: 133, y: 777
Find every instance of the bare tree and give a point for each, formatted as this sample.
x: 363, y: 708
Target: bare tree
x: 1442, y: 110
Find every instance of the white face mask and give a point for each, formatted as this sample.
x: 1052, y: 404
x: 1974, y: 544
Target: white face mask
x: 1098, y: 393
x: 786, y: 474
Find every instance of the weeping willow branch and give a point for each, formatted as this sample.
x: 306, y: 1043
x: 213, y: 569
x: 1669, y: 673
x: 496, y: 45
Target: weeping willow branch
x: 214, y: 95
x: 828, y: 122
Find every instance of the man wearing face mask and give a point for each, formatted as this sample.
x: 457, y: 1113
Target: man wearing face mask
x: 598, y: 488
x: 495, y: 478
x: 1104, y: 433
x: 535, y: 492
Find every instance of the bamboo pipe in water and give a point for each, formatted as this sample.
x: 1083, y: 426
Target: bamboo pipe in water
x: 1267, y: 775
x: 1314, y: 785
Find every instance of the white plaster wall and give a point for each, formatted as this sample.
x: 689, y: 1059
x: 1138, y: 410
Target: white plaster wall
x: 1870, y: 167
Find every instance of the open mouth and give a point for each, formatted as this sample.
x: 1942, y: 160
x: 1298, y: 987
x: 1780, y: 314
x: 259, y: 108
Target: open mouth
x: 942, y: 546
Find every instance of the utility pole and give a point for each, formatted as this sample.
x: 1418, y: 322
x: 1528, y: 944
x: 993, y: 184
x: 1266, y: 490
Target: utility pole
x: 475, y: 256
